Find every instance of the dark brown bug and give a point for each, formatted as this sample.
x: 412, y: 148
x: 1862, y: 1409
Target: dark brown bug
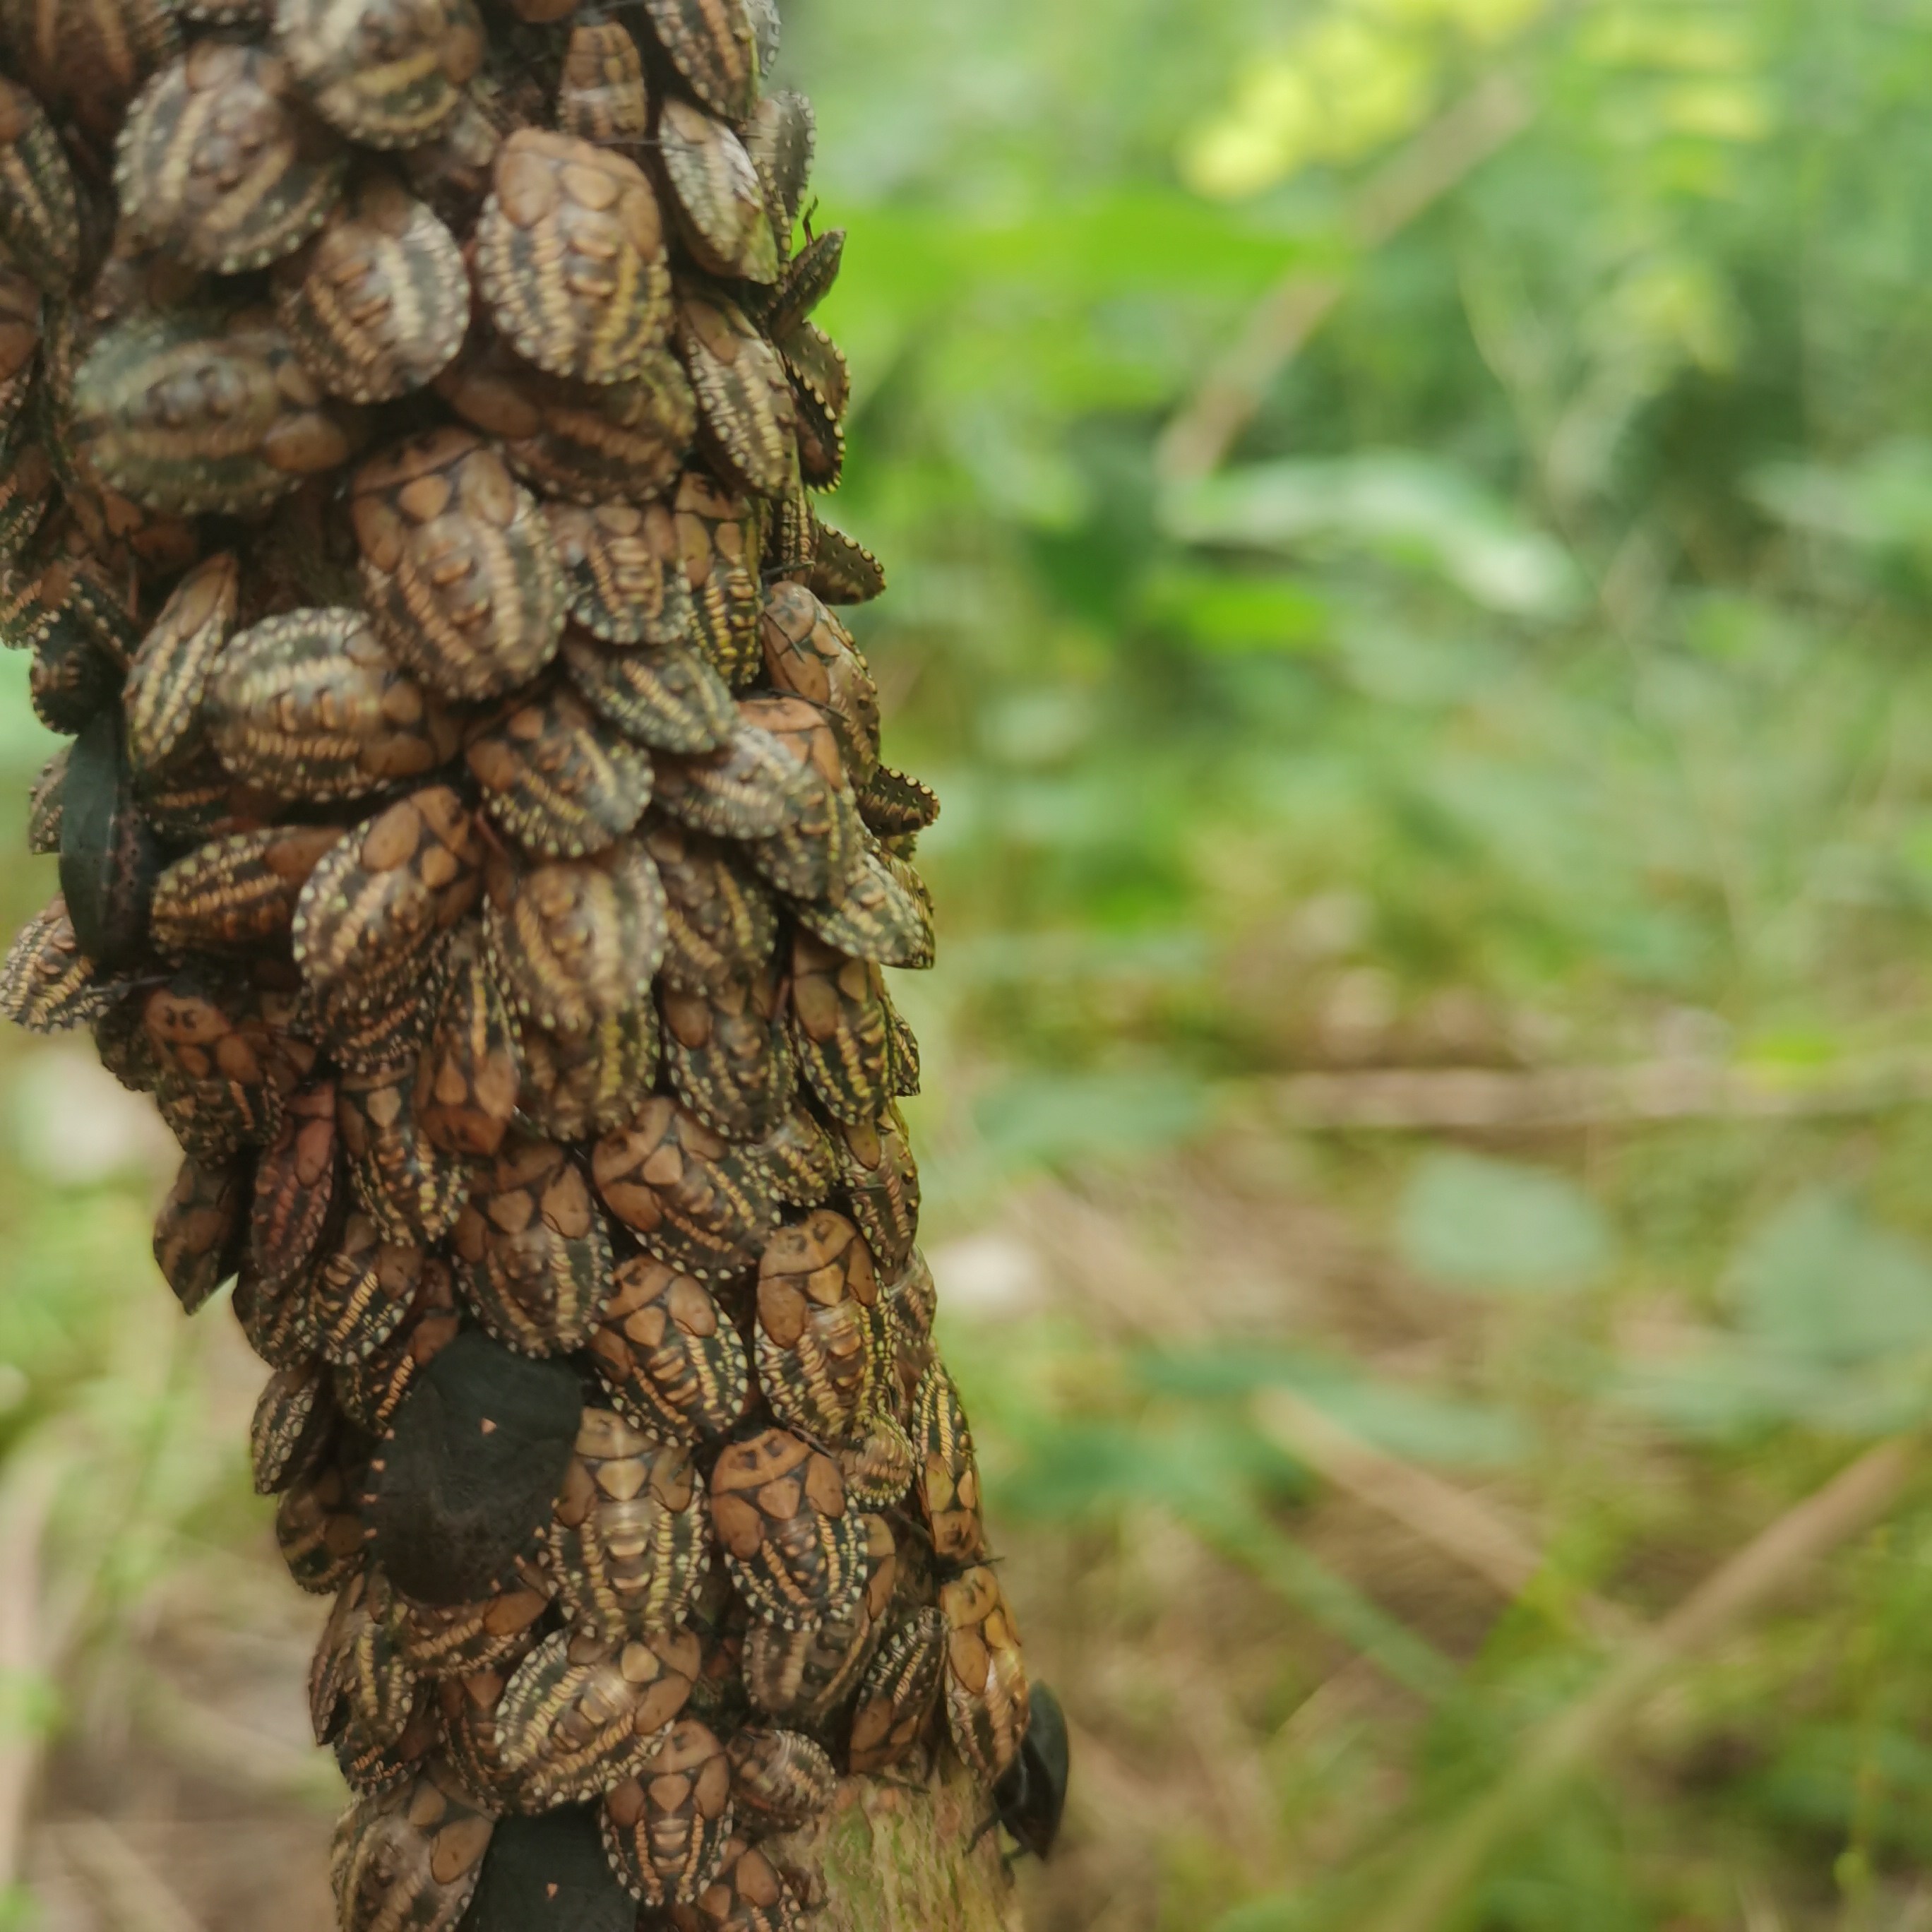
x: 720, y: 202
x: 466, y: 1087
x: 40, y: 215
x: 585, y: 442
x: 378, y: 305
x: 877, y: 915
x: 221, y: 163
x: 985, y: 1676
x: 381, y: 1017
x: 570, y: 256
x: 45, y: 803
x: 748, y: 1895
x: 469, y: 1704
x: 237, y: 893
x: 459, y: 569
x: 844, y: 571
x: 71, y: 680
x: 361, y: 1293
x: 459, y: 1639
x: 408, y: 1859
x: 198, y: 1232
x: 805, y: 283
x: 722, y: 922
x: 804, y: 1673
x: 879, y: 1470
x: 949, y: 1482
x: 601, y: 96
x: 188, y: 412
x: 533, y: 1254
x: 630, y: 1537
x: 310, y: 705
x: 220, y: 1081
x: 798, y: 1152
x: 694, y: 1200
x: 840, y: 1028
x: 666, y: 1826
x: 717, y: 536
x: 318, y: 1528
x: 274, y: 1317
x: 295, y: 1187
x: 895, y: 806
x: 729, y: 1053
x: 666, y: 696
x: 388, y: 73
x: 357, y: 1678
x: 368, y: 1765
x: 816, y: 1349
x: 26, y: 492
x: 410, y: 1186
x: 749, y: 788
x: 779, y: 138
x: 88, y: 60
x: 796, y: 1554
x: 110, y: 858
x: 881, y: 1180
x: 780, y: 1780
x: 713, y: 45
x: 790, y: 538
x: 621, y: 572
x: 578, y: 1086
x: 379, y: 899
x: 555, y: 778
x: 910, y: 1301
x: 291, y: 1427
x: 578, y: 1715
x: 897, y: 1693
x: 368, y: 1391
x: 821, y: 385
x: 451, y: 171
x: 744, y: 399
x: 675, y: 1365
x: 809, y: 653
x: 901, y: 1053
x: 815, y: 851
x: 47, y: 984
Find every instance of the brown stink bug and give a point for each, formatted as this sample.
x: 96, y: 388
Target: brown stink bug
x: 199, y: 1231
x: 630, y: 1537
x: 843, y: 570
x: 411, y: 1188
x: 388, y: 73
x: 237, y: 893
x: 839, y: 1027
x: 369, y: 1391
x: 570, y: 256
x: 602, y: 97
x: 459, y: 1639
x: 729, y: 1053
x: 712, y: 43
x: 717, y: 537
x: 295, y: 1187
x: 750, y: 787
x: 575, y: 941
x: 910, y: 1301
x: 816, y: 1351
x: 810, y: 654
x: 803, y: 1674
x: 274, y: 1317
x: 357, y: 1678
x: 881, y: 1180
x: 40, y: 214
x: 744, y: 401
x: 469, y: 1704
x: 799, y: 1155
x: 467, y: 1086
x: 674, y: 1364
x: 719, y: 201
x: 666, y: 696
x: 985, y: 1676
x: 897, y: 1693
x: 410, y: 1856
x: 221, y: 164
x: 45, y: 804
x: 665, y: 1827
x: 47, y: 984
x: 879, y: 1470
x: 779, y: 138
x: 219, y: 1082
x: 319, y: 1528
x: 292, y: 1425
x: 816, y: 849
x: 555, y: 778
x: 749, y: 1894
x: 806, y: 282
x: 722, y: 920
x: 694, y: 1200
x: 309, y: 705
x: 532, y: 1254
x: 949, y: 1482
x: 621, y: 572
x: 459, y: 569
x: 577, y: 1086
x: 882, y: 912
x: 361, y: 1293
x: 794, y: 1550
x: 169, y: 676
x: 780, y: 1780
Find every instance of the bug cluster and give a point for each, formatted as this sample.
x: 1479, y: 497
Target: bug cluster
x: 473, y: 834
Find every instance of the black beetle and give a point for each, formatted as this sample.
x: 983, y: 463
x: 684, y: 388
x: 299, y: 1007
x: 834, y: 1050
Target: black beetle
x: 1032, y: 1790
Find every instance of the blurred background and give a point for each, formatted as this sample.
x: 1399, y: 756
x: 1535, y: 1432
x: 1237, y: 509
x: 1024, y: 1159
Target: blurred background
x: 1411, y: 534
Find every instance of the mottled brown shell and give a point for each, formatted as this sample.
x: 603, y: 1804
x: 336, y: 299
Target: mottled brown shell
x: 88, y: 60
x: 629, y: 1534
x: 779, y: 138
x: 466, y: 1087
x: 881, y: 912
x: 310, y: 705
x: 291, y: 1425
x: 986, y: 1706
x: 459, y: 569
x: 459, y: 1639
x: 780, y: 1780
x: 911, y: 1300
x: 221, y: 164
x: 880, y: 1470
x: 318, y: 1528
x: 237, y: 893
x: 357, y: 1678
x: 720, y: 201
x: 381, y: 898
x: 555, y: 778
x: 722, y: 921
x: 839, y: 1027
x: 601, y: 96
x: 798, y: 1154
x: 169, y: 676
x: 577, y: 1086
x: 949, y: 1480
x: 197, y: 1232
x: 795, y: 1553
x: 570, y: 256
x: 881, y: 1181
x: 713, y: 44
x: 804, y: 1673
x: 407, y: 1859
x: 675, y: 1365
x: 532, y: 1252
x: 897, y: 1693
x: 621, y: 573
x: 809, y: 653
x: 843, y: 570
x: 815, y: 1346
x: 46, y: 800
x: 47, y: 984
x: 665, y: 1829
x: 369, y: 1390
x: 576, y: 940
x: 666, y: 696
x: 751, y: 787
x: 379, y: 304
x: 717, y: 536
x: 389, y: 73
x: 815, y: 852
x: 729, y: 1053
x: 744, y: 397
x: 221, y: 1079
x: 188, y: 412
x: 695, y: 1201
x: 411, y: 1188
x: 40, y: 214
x: 361, y: 1293
x: 748, y: 1895
x: 578, y: 1715
x: 273, y: 1319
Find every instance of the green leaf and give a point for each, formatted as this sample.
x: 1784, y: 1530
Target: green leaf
x: 1471, y: 1222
